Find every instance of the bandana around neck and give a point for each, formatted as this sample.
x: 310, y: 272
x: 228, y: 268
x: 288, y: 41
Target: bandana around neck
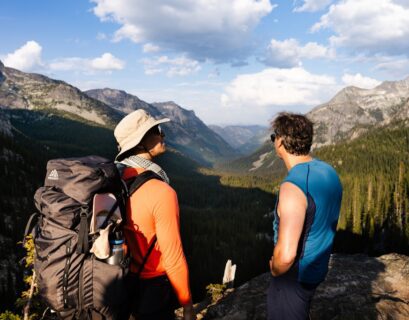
x: 139, y: 162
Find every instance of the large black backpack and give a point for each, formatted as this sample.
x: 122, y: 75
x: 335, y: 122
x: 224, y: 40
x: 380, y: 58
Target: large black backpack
x: 70, y: 279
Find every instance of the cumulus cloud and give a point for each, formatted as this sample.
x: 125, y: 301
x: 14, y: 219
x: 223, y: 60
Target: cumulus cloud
x: 312, y: 5
x: 204, y: 29
x: 149, y: 47
x: 289, y: 53
x: 26, y: 58
x: 371, y: 26
x: 179, y: 66
x: 358, y: 80
x: 107, y: 62
x: 279, y: 87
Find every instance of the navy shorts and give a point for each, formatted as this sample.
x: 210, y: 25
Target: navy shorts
x: 288, y: 299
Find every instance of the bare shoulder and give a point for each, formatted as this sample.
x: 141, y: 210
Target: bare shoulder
x: 291, y: 197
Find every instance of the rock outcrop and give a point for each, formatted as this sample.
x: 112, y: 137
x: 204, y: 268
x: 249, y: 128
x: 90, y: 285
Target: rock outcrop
x: 357, y: 287
x: 353, y: 109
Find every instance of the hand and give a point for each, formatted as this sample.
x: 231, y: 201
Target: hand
x: 188, y: 312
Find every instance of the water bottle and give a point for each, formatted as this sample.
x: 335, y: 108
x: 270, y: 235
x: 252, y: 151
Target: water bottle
x: 118, y: 251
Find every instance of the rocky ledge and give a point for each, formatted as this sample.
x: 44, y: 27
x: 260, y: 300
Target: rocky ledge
x: 357, y: 287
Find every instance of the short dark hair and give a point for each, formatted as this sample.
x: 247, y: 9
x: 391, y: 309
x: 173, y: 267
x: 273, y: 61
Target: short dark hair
x: 296, y: 131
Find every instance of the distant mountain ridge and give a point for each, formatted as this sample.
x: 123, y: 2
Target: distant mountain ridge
x: 105, y: 108
x: 245, y: 139
x: 186, y: 131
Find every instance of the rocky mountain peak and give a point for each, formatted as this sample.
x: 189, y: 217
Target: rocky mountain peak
x: 114, y: 93
x: 394, y: 86
x: 121, y: 100
x: 173, y: 110
x: 347, y: 94
x: 170, y: 105
x: 353, y: 109
x: 1, y: 66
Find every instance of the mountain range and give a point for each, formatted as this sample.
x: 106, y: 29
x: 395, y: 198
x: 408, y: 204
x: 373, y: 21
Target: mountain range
x: 186, y: 132
x: 40, y: 96
x: 351, y: 113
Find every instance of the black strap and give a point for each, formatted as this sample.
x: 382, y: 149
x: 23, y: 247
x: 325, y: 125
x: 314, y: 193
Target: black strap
x: 135, y: 183
x: 29, y: 225
x: 109, y: 215
x: 66, y: 274
x: 83, y: 232
x: 145, y: 258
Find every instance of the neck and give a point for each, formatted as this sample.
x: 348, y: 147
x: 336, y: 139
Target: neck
x: 291, y: 160
x: 145, y: 155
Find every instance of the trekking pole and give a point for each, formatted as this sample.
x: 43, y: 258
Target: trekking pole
x: 30, y: 297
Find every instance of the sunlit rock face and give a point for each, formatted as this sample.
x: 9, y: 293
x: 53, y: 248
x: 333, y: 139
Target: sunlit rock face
x: 353, y: 110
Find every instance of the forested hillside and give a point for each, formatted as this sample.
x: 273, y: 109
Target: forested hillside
x: 374, y: 170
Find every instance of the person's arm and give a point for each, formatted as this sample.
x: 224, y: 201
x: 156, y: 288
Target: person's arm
x: 292, y: 206
x: 166, y: 215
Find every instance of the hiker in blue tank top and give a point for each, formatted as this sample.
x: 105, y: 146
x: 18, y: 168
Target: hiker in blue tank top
x: 305, y: 220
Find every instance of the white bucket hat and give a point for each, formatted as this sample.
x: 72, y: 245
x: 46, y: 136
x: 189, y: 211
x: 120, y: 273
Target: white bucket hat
x: 131, y: 129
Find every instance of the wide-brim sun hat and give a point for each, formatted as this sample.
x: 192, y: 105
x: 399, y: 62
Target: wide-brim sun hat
x: 132, y: 128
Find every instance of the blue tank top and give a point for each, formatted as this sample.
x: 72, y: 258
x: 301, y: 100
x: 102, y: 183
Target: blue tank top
x: 323, y: 190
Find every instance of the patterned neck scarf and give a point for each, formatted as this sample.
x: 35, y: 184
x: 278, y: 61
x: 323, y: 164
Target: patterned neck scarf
x: 139, y: 162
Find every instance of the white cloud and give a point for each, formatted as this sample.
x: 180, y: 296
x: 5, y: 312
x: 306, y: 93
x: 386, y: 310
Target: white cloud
x: 107, y: 62
x: 150, y: 47
x: 26, y: 58
x: 312, y: 5
x: 398, y: 67
x: 372, y: 26
x: 179, y: 66
x: 360, y: 81
x: 215, y: 29
x: 289, y: 53
x: 279, y: 87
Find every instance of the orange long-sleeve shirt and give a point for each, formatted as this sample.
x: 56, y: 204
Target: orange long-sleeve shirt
x: 154, y: 209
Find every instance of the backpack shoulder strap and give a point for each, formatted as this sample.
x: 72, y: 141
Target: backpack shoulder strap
x: 135, y: 183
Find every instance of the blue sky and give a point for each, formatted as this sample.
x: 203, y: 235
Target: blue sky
x: 231, y: 61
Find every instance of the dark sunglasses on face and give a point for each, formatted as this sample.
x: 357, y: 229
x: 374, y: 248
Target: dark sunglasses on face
x: 273, y: 137
x: 159, y: 131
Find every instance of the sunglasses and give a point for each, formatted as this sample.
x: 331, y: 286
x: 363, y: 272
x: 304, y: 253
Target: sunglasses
x: 273, y: 137
x: 158, y: 131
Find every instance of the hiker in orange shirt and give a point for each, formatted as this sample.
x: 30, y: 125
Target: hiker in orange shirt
x: 159, y: 274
